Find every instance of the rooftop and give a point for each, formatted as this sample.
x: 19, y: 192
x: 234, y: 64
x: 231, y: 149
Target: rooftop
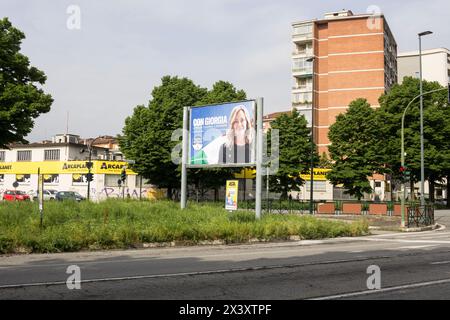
x: 424, y: 52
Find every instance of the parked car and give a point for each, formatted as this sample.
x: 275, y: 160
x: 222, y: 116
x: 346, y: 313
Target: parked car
x: 69, y: 195
x: 15, y: 195
x: 49, y: 194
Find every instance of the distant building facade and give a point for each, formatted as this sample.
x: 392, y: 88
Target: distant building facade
x: 62, y: 161
x: 355, y: 57
x: 435, y: 65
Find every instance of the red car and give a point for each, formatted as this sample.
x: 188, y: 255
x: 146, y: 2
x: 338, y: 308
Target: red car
x: 15, y: 195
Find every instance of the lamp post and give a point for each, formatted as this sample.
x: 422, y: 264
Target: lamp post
x: 422, y: 161
x: 311, y: 181
x: 403, y: 148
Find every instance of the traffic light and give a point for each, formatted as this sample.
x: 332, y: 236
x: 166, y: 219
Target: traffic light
x: 123, y: 175
x: 90, y: 176
x: 404, y: 173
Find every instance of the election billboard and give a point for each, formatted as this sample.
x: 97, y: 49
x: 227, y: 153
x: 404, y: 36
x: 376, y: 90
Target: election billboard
x: 222, y: 134
x: 231, y: 197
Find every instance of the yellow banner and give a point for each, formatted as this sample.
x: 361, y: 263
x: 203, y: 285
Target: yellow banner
x: 231, y: 195
x: 319, y: 174
x: 246, y: 173
x: 61, y: 167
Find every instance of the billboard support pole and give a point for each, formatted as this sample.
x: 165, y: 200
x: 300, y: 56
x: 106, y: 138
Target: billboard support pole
x: 184, y: 158
x: 259, y: 155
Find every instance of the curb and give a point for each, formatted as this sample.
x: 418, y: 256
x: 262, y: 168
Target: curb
x: 427, y: 228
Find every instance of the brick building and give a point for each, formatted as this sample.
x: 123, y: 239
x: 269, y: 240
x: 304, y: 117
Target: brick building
x: 354, y: 57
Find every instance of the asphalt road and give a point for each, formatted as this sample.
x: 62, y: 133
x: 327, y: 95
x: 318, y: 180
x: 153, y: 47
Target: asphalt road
x: 412, y: 266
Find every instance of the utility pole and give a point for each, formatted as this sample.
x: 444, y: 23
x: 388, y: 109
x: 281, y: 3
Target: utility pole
x: 422, y: 158
x: 311, y: 187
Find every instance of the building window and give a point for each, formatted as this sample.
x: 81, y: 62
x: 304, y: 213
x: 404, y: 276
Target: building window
x: 79, y: 179
x: 23, y: 178
x: 2, y: 156
x: 2, y: 178
x: 111, y: 180
x: 24, y: 155
x: 51, y: 154
x: 319, y: 186
x: 51, y: 178
x: 302, y: 97
x: 300, y: 64
x: 303, y: 29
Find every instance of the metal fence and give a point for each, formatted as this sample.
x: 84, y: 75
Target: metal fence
x: 419, y: 216
x: 416, y: 215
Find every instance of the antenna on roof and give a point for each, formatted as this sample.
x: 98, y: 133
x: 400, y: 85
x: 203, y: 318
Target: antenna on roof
x: 67, y: 123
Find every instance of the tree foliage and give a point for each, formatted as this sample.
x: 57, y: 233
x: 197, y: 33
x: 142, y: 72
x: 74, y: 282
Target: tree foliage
x: 354, y: 149
x: 21, y: 99
x: 294, y: 152
x: 147, y: 133
x: 436, y: 129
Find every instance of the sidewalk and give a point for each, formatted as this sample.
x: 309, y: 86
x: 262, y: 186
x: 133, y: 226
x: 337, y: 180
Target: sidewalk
x: 378, y: 224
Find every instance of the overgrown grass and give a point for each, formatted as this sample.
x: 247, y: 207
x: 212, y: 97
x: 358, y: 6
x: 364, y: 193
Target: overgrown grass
x: 71, y: 226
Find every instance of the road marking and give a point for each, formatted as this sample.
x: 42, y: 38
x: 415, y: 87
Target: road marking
x: 407, y: 241
x: 196, y: 273
x: 418, y: 247
x: 368, y: 292
x: 440, y: 262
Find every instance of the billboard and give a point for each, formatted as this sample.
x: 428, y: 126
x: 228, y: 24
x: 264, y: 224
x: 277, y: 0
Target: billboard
x: 223, y: 134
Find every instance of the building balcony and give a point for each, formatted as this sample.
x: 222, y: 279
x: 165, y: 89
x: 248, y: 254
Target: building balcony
x: 302, y: 88
x: 303, y: 104
x: 302, y: 37
x: 302, y: 72
x: 303, y: 53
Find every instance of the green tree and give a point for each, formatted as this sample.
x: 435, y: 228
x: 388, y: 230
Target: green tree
x: 294, y: 152
x: 21, y: 100
x: 354, y: 148
x: 436, y: 130
x: 147, y: 133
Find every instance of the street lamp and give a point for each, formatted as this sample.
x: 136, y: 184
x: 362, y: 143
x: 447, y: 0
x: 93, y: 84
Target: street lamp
x: 422, y: 158
x: 311, y: 186
x: 402, y: 161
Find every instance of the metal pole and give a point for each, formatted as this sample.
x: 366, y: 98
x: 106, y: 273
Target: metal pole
x: 422, y: 161
x: 267, y: 184
x: 184, y: 159
x: 403, y: 149
x: 89, y: 173
x: 311, y: 188
x: 259, y: 154
x: 140, y: 189
x: 402, y: 205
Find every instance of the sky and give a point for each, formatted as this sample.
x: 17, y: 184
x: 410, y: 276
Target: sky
x: 99, y: 72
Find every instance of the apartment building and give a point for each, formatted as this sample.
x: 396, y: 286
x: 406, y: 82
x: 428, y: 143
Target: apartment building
x: 435, y: 65
x: 355, y: 56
